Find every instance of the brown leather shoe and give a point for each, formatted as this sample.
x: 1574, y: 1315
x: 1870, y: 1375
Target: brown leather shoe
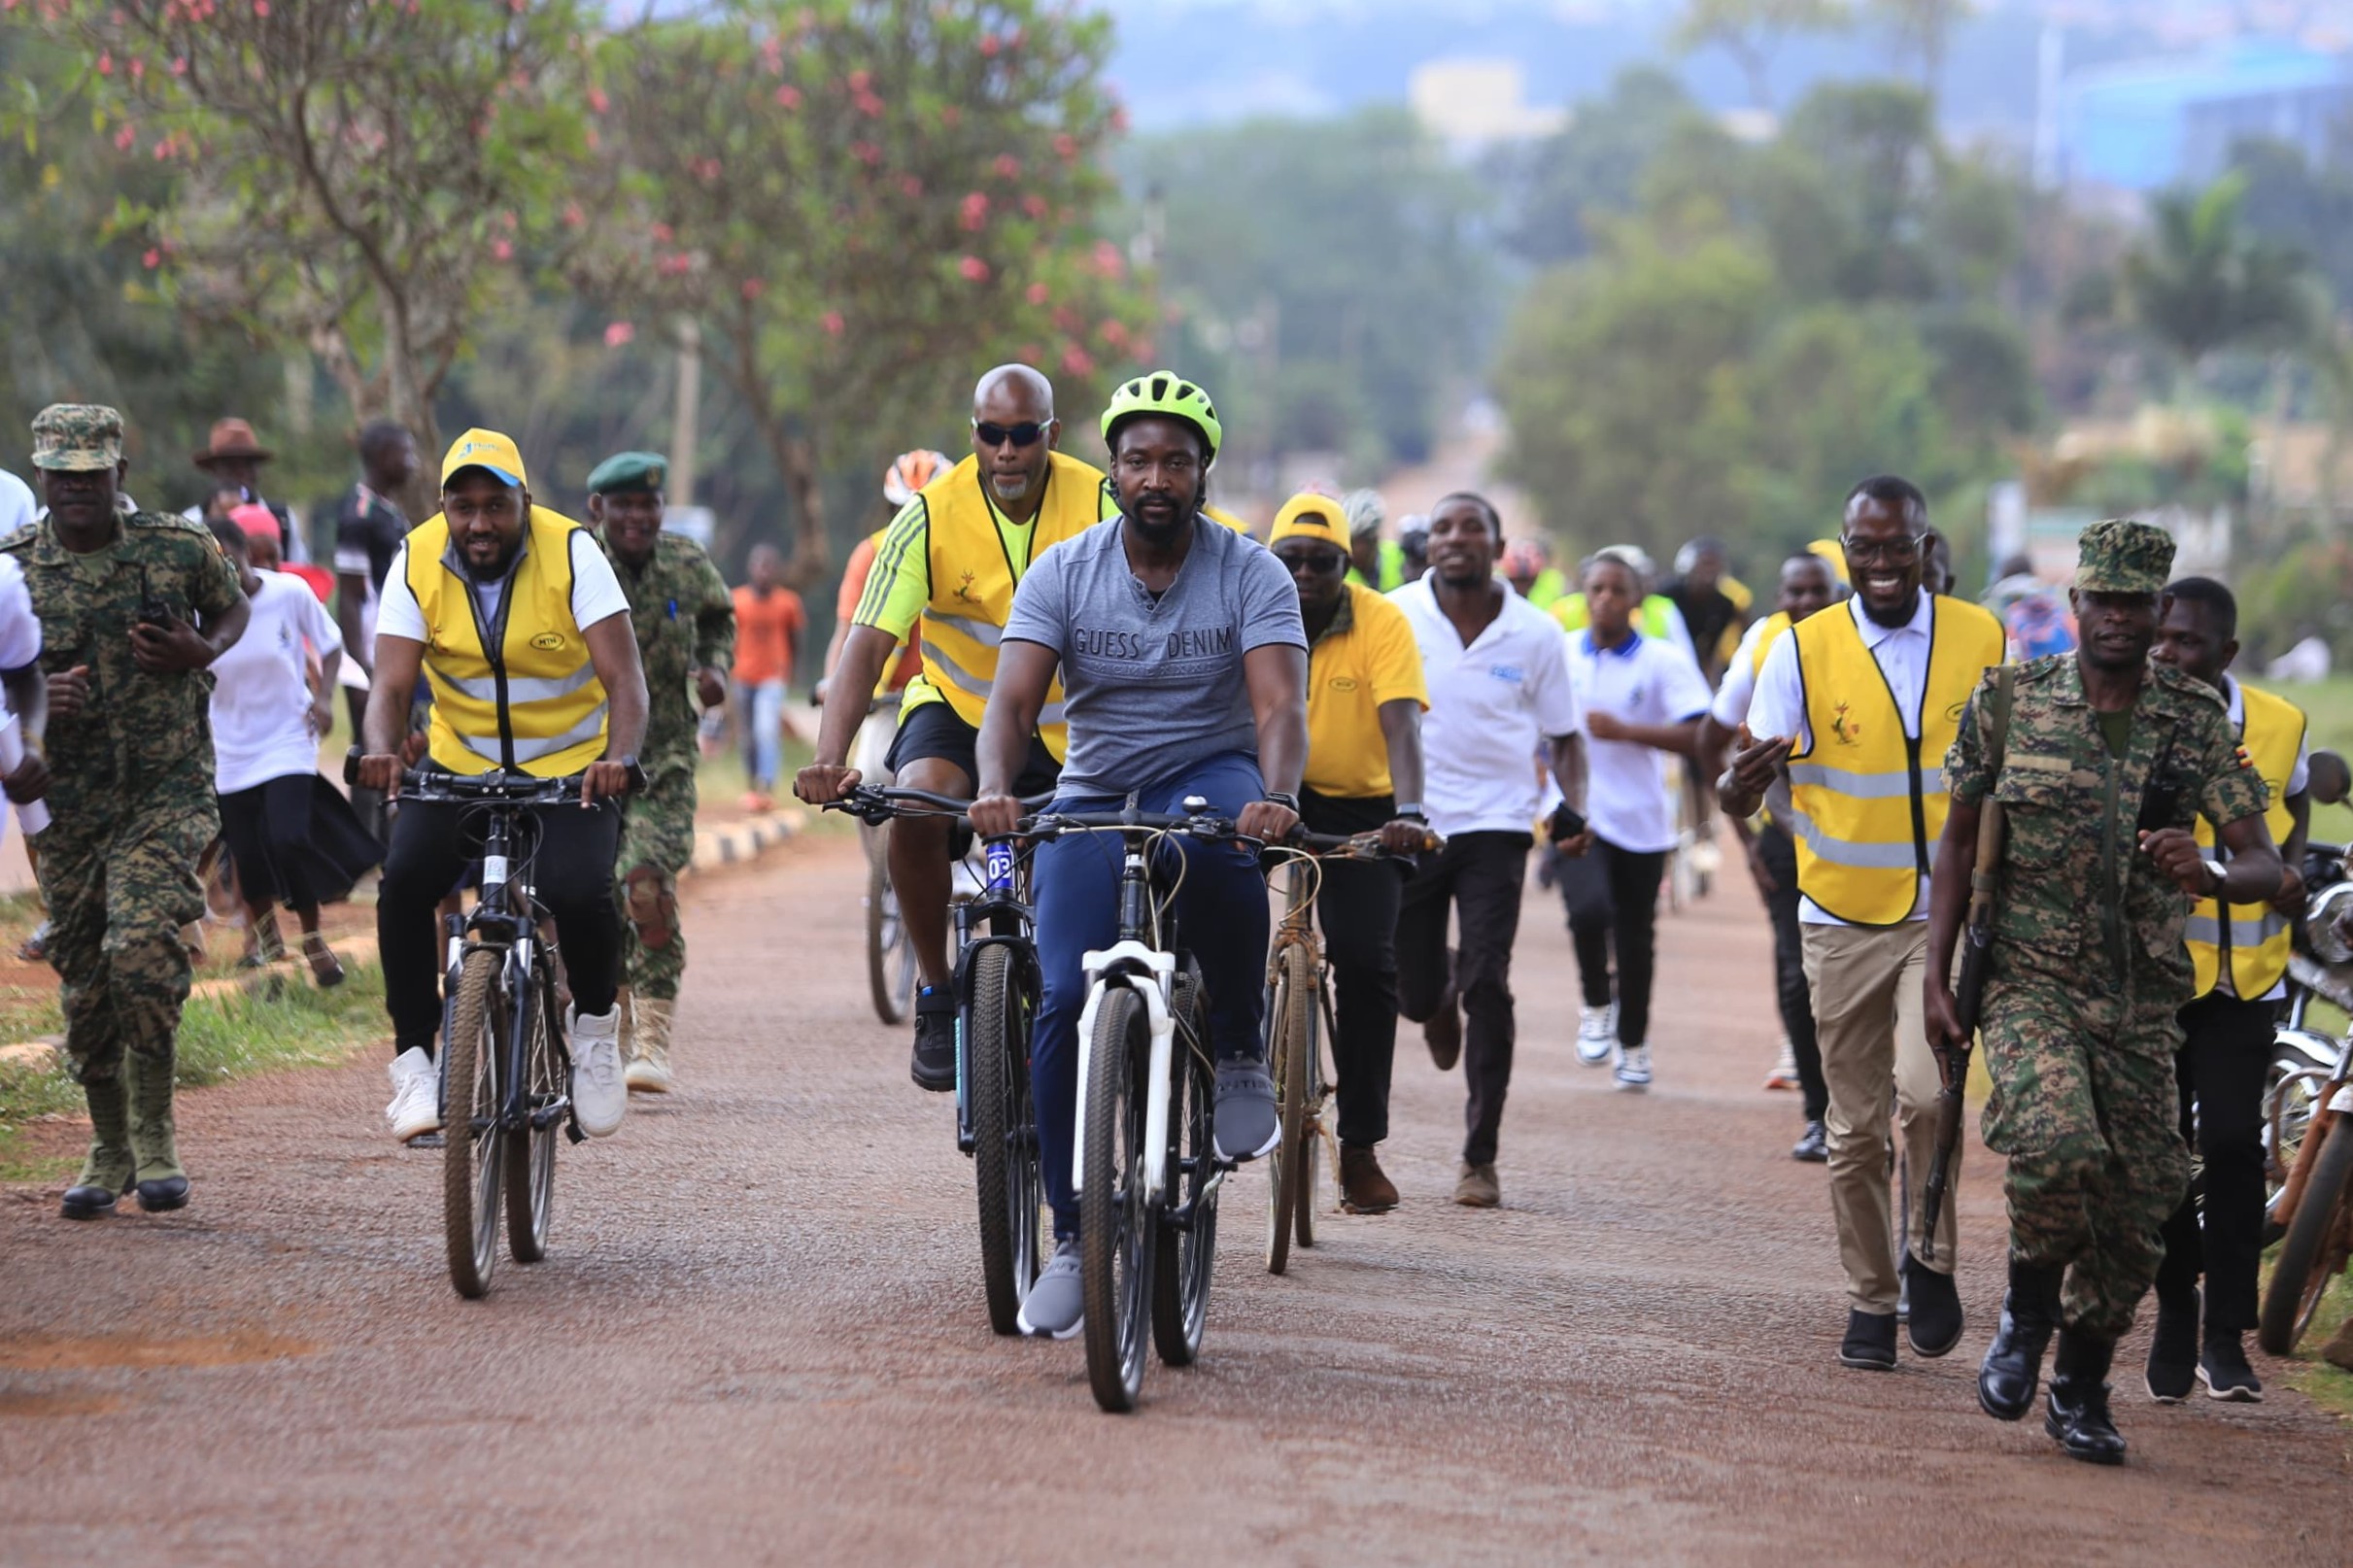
x: 1476, y: 1187
x: 1443, y: 1033
x: 1363, y: 1188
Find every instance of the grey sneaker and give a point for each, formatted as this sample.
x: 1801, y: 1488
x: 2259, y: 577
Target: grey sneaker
x: 1248, y: 1125
x: 1055, y: 1309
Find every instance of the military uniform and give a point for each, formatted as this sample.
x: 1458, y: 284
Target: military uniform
x: 685, y: 620
x: 130, y: 799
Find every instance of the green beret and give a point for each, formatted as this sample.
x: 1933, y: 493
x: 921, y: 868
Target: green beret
x: 2124, y: 557
x: 628, y: 470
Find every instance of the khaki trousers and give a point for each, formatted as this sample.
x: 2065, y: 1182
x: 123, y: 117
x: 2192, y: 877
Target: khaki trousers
x: 1866, y: 986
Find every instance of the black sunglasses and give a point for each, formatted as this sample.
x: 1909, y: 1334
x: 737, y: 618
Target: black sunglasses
x: 1028, y: 433
x: 1319, y: 561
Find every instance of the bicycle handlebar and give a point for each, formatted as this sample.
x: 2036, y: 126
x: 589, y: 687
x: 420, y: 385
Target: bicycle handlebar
x: 876, y: 802
x: 1365, y: 844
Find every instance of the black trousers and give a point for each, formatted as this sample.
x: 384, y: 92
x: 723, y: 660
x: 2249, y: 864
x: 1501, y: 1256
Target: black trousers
x: 1358, y: 913
x: 2223, y: 1060
x: 572, y: 874
x: 1780, y: 856
x: 1478, y: 877
x: 1612, y: 894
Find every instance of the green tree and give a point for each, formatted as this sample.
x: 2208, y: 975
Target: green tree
x: 1749, y: 31
x: 2200, y: 283
x: 1592, y: 166
x: 356, y: 179
x: 861, y: 204
x: 1924, y: 31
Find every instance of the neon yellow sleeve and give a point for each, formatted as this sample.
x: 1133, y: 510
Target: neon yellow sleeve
x: 899, y: 585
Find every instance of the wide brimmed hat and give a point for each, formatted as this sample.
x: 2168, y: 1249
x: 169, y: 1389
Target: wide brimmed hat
x: 232, y: 438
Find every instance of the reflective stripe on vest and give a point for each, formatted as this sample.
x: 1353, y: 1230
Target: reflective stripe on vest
x: 1869, y: 801
x: 538, y: 705
x: 2259, y: 939
x: 973, y: 582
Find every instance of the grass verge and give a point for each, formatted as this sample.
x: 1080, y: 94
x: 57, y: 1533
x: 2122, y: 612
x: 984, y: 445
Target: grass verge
x: 230, y: 1035
x: 2328, y: 1386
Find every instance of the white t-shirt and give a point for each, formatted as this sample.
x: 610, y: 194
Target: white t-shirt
x: 2300, y: 779
x: 20, y: 627
x: 1731, y: 704
x: 260, y: 701
x: 1779, y: 705
x: 16, y: 504
x: 1643, y: 680
x: 595, y: 593
x: 1491, y: 704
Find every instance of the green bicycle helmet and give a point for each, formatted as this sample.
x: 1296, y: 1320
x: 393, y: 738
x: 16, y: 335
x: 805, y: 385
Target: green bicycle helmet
x: 1166, y: 392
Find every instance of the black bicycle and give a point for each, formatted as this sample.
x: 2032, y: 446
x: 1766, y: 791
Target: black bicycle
x: 996, y: 991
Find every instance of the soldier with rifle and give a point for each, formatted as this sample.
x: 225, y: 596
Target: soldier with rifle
x: 2100, y: 768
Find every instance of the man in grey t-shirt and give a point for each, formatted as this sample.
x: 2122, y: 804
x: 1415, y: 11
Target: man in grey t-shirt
x: 1183, y: 664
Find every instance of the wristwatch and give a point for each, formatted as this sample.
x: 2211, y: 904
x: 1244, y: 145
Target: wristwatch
x: 2220, y: 870
x: 1411, y: 811
x: 1288, y: 801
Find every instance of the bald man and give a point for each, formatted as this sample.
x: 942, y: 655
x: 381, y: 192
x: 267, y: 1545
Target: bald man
x: 951, y: 559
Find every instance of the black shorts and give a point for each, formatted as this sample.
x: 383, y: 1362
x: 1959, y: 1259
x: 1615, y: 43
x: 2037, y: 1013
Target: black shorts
x: 935, y: 730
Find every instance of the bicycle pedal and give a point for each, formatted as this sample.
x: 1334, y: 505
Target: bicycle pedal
x: 573, y: 1131
x: 427, y: 1140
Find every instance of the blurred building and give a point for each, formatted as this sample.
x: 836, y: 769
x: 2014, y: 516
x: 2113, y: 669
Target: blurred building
x: 2147, y: 124
x: 1477, y: 102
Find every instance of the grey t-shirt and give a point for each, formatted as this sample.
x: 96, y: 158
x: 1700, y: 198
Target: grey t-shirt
x: 1152, y: 687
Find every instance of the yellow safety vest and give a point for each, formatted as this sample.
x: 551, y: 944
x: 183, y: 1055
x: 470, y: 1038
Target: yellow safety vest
x: 972, y: 581
x: 537, y: 705
x: 1779, y: 623
x: 2259, y: 939
x: 1869, y: 799
x: 1656, y: 614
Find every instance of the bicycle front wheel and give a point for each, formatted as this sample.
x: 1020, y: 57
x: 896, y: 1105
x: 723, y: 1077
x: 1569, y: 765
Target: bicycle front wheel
x: 530, y: 1157
x: 1005, y: 1140
x: 1188, y: 1240
x: 1115, y: 1219
x: 890, y: 952
x: 2314, y: 1250
x: 471, y: 1139
x: 1290, y: 1018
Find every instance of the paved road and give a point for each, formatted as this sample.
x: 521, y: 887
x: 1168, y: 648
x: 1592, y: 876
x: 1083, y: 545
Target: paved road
x: 761, y: 1339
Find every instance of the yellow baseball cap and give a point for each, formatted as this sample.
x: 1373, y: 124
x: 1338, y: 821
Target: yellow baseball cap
x: 487, y: 450
x: 1309, y: 516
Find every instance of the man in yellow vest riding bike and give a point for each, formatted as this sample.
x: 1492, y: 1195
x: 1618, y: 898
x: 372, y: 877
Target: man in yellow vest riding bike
x: 2240, y: 963
x: 513, y: 615
x: 950, y: 560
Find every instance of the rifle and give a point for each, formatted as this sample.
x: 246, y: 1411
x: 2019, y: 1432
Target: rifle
x: 1969, y: 991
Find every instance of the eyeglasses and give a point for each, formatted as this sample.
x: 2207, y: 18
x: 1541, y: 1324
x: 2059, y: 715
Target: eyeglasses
x: 1322, y: 563
x: 1028, y: 433
x: 1894, y: 551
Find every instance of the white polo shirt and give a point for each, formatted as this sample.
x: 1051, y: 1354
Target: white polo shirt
x: 1731, y: 704
x: 1643, y: 680
x: 1492, y: 705
x: 1901, y: 652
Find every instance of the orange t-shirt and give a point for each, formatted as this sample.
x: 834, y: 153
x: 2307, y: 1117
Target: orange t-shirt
x: 845, y: 606
x: 764, y: 630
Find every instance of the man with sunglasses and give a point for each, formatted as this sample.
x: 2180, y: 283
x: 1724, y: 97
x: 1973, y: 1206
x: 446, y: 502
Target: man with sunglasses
x: 951, y: 559
x: 1857, y: 707
x: 1365, y: 700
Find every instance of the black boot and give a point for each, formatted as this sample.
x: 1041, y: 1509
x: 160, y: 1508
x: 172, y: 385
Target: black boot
x: 2013, y: 1364
x: 2077, y: 1414
x: 2173, y: 1349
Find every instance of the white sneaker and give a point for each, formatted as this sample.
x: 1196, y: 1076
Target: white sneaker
x: 415, y: 1107
x: 1596, y: 1033
x: 1634, y: 1067
x: 600, y: 1096
x: 1785, y: 1071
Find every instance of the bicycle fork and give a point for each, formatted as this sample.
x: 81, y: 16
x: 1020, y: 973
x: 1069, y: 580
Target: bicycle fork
x: 1151, y: 975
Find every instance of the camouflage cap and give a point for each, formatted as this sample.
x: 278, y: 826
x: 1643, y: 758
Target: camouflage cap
x: 77, y: 437
x: 2124, y: 557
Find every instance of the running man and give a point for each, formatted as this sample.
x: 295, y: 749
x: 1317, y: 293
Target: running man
x: 1180, y: 646
x: 951, y: 561
x: 1365, y: 699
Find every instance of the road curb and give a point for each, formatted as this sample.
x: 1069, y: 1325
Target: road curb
x: 743, y: 841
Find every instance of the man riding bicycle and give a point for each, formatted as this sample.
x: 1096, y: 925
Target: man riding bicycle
x: 1185, y: 659
x: 1365, y: 698
x: 514, y: 616
x: 951, y: 559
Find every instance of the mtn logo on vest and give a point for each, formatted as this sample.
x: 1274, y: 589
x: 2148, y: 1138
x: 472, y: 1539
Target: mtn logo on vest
x: 548, y: 641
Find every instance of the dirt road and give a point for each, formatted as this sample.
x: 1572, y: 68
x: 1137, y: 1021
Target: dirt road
x: 759, y: 1337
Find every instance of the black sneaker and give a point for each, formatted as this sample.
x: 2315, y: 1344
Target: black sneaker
x: 934, y: 1066
x: 1248, y: 1125
x: 2222, y: 1368
x: 1933, y: 1326
x: 1871, y: 1341
x: 2172, y: 1369
x: 1815, y: 1148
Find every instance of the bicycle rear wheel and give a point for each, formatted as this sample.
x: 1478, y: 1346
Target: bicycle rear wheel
x: 2314, y: 1250
x: 471, y: 1153
x: 1115, y: 1219
x: 1290, y: 1018
x: 890, y: 952
x: 1187, y: 1252
x: 1005, y: 1140
x: 530, y: 1157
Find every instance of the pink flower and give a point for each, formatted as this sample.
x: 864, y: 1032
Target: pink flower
x: 865, y: 153
x: 990, y: 44
x: 261, y: 8
x: 1008, y: 166
x: 154, y: 259
x: 1033, y: 204
x: 1114, y: 332
x: 1066, y: 146
x: 1107, y: 260
x: 975, y: 211
x: 662, y: 234
x: 573, y: 216
x: 138, y: 70
x: 124, y: 137
x: 831, y: 323
x: 860, y: 81
x: 618, y: 334
x: 1039, y: 293
x: 106, y: 62
x: 911, y: 184
x: 788, y: 96
x: 598, y: 101
x: 503, y: 250
x: 975, y: 269
x: 868, y: 105
x: 753, y: 288
x: 1078, y: 361
x: 950, y: 115
x: 180, y: 65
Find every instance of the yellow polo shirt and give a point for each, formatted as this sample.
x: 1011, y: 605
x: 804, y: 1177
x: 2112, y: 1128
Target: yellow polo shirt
x: 1365, y: 658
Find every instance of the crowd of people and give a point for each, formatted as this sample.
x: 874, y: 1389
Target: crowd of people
x: 1048, y: 627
